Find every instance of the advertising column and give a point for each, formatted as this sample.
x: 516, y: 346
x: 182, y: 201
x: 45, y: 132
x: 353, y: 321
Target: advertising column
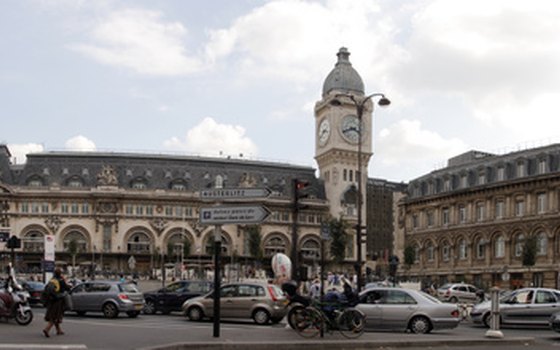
x: 48, y: 261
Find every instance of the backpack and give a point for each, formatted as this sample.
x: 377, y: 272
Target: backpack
x: 51, y: 291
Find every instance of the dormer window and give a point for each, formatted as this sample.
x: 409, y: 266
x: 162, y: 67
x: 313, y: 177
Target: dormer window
x: 520, y: 169
x: 464, y: 181
x: 501, y: 174
x: 543, y: 166
x: 481, y: 178
x: 447, y: 184
x: 85, y: 172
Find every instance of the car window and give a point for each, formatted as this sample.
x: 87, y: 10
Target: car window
x: 471, y: 289
x: 557, y: 295
x: 372, y: 297
x: 462, y: 289
x: 247, y: 291
x: 79, y: 289
x: 99, y: 287
x: 397, y: 297
x: 523, y: 297
x: 228, y: 291
x: 545, y: 297
x: 128, y: 288
x: 174, y: 287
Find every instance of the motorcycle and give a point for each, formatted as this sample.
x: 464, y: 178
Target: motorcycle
x: 15, y: 300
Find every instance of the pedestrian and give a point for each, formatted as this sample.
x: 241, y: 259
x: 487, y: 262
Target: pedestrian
x: 56, y: 290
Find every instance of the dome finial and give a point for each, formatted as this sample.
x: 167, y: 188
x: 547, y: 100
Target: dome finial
x: 343, y: 56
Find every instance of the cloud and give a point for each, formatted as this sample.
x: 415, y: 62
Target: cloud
x: 211, y: 138
x: 80, y: 143
x: 407, y: 141
x: 19, y: 151
x: 142, y: 41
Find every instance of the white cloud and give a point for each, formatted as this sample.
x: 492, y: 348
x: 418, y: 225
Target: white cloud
x: 211, y: 138
x: 19, y: 151
x: 80, y: 143
x: 142, y: 41
x: 407, y: 141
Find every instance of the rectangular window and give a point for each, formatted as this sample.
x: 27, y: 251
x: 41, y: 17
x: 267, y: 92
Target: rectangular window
x: 149, y: 210
x: 463, y: 181
x: 481, y: 179
x: 25, y: 207
x: 542, y: 166
x: 178, y: 211
x: 351, y: 175
x: 445, y: 216
x: 107, y: 238
x: 499, y: 209
x: 445, y: 253
x: 501, y: 174
x: 85, y: 208
x: 519, y: 208
x: 480, y: 212
x: 139, y: 210
x: 541, y: 203
x: 430, y: 218
x: 480, y: 250
x: 462, y: 214
x: 129, y: 209
x: 414, y: 221
x: 34, y: 207
x: 64, y: 208
x: 520, y: 169
x: 168, y: 211
x: 447, y: 185
x: 45, y: 207
x: 75, y: 208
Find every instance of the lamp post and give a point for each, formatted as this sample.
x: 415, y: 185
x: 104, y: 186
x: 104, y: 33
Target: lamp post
x: 360, y: 105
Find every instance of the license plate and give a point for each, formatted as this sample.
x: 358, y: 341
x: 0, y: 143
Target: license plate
x: 139, y: 307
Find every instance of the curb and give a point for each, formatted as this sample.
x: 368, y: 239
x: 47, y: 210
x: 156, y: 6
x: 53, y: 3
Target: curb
x: 339, y: 345
x: 43, y: 346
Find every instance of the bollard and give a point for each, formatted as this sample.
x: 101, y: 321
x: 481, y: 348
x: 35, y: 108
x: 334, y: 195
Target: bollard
x: 494, y: 331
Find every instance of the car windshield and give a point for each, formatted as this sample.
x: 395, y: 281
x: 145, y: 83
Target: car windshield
x: 128, y: 288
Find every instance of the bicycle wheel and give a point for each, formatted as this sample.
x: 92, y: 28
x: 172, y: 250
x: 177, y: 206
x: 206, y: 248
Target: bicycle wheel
x: 308, y: 322
x: 351, y: 323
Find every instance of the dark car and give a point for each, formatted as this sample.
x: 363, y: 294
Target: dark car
x: 35, y: 290
x: 172, y: 297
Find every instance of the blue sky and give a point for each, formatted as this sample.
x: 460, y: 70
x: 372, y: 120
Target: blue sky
x: 231, y: 78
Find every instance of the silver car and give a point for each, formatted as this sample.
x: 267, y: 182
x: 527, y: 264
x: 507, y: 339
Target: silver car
x: 458, y: 292
x: 527, y: 306
x: 390, y: 308
x: 108, y: 297
x: 262, y: 302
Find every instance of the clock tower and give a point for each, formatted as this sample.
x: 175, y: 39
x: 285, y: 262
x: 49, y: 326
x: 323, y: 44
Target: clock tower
x: 337, y: 142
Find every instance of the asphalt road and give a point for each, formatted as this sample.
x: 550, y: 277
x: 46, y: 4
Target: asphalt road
x: 96, y: 332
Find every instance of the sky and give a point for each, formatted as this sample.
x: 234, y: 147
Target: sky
x: 240, y: 78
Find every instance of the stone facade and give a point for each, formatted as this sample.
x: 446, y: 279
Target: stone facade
x: 470, y: 221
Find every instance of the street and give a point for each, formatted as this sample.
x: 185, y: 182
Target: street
x: 96, y: 332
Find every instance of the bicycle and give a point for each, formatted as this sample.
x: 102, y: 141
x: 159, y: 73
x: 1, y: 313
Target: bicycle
x: 313, y: 319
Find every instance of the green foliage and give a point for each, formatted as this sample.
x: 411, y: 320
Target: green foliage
x: 254, y: 241
x: 339, y: 239
x: 530, y: 251
x: 409, y: 255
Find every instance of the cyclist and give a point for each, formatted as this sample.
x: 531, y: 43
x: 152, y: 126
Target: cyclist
x: 335, y: 300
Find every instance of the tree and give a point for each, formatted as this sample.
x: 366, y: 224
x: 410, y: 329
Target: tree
x: 409, y: 256
x: 529, y: 253
x: 339, y: 239
x: 73, y: 250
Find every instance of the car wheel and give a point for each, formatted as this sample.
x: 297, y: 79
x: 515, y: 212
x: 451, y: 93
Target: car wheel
x: 149, y: 307
x: 487, y: 319
x: 420, y: 324
x: 80, y: 313
x: 132, y: 314
x: 453, y: 300
x: 261, y: 316
x: 195, y: 313
x: 110, y: 310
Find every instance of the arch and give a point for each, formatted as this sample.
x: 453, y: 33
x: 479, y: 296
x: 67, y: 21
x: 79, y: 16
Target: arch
x: 64, y: 240
x: 35, y: 181
x: 178, y: 184
x: 479, y: 244
x: 139, y: 183
x: 429, y: 249
x: 499, y: 245
x: 208, y: 245
x: 74, y: 181
x: 139, y: 240
x: 275, y: 242
x: 310, y: 247
x: 175, y: 237
x: 32, y: 238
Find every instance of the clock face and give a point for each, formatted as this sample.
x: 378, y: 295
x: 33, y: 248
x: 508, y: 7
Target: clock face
x: 324, y: 131
x: 351, y: 128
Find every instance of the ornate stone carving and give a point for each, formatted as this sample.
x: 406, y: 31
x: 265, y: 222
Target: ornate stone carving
x: 158, y: 224
x: 247, y: 180
x: 197, y: 227
x: 107, y: 176
x: 53, y: 223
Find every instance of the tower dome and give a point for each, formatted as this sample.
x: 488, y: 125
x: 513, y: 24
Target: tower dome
x: 343, y: 77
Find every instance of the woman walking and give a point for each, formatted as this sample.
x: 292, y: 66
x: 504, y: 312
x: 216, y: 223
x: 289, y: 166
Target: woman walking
x: 55, y: 302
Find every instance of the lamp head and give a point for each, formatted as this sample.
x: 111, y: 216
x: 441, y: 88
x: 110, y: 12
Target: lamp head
x: 383, y: 102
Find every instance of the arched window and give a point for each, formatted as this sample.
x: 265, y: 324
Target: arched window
x: 33, y: 241
x: 542, y: 243
x: 500, y: 247
x: 445, y: 251
x: 179, y: 244
x: 480, y: 248
x: 79, y: 238
x: 518, y: 245
x: 417, y: 253
x: 139, y: 243
x: 429, y: 251
x: 273, y: 245
x: 462, y: 249
x: 310, y: 249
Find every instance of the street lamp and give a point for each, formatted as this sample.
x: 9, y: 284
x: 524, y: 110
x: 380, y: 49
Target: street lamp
x: 360, y: 105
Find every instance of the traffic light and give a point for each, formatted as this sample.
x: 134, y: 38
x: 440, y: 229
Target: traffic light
x: 300, y: 192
